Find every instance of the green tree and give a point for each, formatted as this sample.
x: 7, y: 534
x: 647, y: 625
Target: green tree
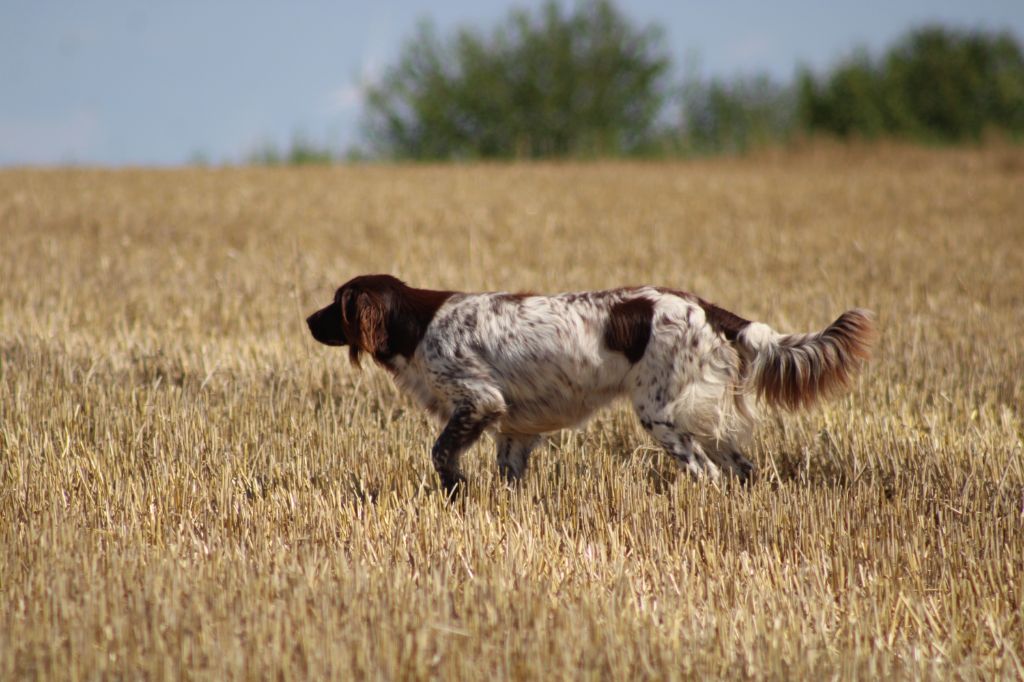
x: 736, y: 115
x: 935, y: 84
x: 551, y: 83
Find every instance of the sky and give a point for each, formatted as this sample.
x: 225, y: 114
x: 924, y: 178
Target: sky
x: 122, y: 82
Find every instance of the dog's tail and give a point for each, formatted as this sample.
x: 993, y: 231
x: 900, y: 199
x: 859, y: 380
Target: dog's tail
x: 794, y: 370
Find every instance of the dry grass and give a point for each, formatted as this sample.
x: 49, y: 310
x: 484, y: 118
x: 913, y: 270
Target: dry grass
x: 190, y: 487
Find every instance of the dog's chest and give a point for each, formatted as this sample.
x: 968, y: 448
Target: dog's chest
x: 411, y: 377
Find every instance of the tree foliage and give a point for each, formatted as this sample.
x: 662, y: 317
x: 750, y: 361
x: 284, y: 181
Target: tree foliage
x: 733, y: 116
x: 935, y: 84
x: 558, y: 82
x: 551, y: 83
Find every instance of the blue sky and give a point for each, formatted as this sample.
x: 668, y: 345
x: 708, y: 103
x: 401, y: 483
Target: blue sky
x: 120, y: 82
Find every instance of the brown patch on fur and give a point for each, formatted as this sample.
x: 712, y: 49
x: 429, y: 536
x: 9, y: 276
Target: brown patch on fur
x: 499, y: 300
x: 629, y: 327
x: 726, y: 323
x: 722, y: 321
x: 801, y: 368
x: 384, y: 317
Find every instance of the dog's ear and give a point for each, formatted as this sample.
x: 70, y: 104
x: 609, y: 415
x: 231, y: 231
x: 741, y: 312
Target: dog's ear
x: 364, y: 315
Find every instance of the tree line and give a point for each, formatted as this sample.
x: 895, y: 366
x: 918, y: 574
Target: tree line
x: 586, y: 81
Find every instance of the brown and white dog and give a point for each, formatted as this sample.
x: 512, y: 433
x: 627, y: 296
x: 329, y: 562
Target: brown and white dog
x: 522, y: 365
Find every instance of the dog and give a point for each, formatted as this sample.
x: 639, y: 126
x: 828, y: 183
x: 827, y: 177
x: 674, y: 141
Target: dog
x: 523, y: 365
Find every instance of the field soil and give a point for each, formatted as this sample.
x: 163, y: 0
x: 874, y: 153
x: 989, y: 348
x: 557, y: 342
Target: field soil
x: 191, y: 487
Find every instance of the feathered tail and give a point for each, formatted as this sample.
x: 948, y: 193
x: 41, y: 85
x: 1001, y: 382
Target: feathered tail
x: 794, y: 370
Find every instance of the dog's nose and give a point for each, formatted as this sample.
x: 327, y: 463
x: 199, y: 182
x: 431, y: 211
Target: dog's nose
x: 315, y: 324
x: 325, y: 327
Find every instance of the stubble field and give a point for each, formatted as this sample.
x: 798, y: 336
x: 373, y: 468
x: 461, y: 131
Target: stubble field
x: 191, y: 487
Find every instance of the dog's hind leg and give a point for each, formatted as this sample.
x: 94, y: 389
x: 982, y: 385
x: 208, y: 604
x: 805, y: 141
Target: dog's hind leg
x: 686, y: 397
x: 699, y: 455
x: 687, y: 452
x: 682, y: 446
x: 730, y: 458
x: 514, y: 454
x: 462, y: 430
x: 663, y: 420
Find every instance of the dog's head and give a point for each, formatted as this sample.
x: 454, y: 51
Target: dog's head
x: 375, y: 314
x: 356, y: 317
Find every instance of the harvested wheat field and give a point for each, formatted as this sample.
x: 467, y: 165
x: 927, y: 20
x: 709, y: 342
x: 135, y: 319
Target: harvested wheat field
x: 190, y: 486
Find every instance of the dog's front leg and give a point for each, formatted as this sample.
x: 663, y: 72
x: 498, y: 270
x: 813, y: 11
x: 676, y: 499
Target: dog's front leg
x: 461, y: 431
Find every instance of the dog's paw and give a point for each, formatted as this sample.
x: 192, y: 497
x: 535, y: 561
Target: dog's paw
x: 453, y: 483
